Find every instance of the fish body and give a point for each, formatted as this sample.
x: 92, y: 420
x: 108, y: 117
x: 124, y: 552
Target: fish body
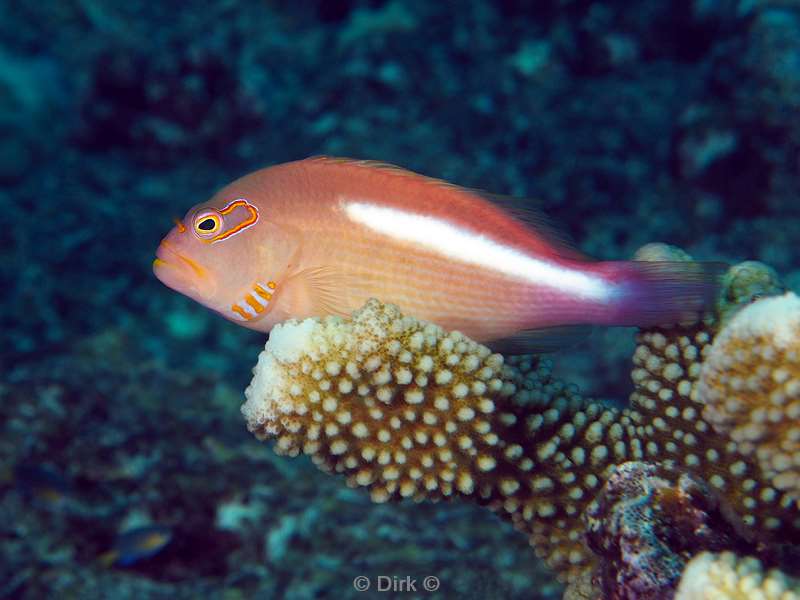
x: 136, y: 545
x: 43, y: 487
x: 322, y: 235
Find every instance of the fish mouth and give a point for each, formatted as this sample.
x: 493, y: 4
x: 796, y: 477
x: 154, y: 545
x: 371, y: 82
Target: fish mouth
x: 180, y: 272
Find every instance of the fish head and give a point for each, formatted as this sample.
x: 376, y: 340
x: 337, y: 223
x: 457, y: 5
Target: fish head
x: 225, y: 255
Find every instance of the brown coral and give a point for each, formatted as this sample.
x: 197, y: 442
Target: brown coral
x: 398, y: 405
x: 745, y: 283
x: 667, y: 365
x: 750, y: 385
x: 726, y: 576
x: 409, y: 410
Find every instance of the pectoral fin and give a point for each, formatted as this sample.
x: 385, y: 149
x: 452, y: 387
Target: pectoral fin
x: 329, y: 291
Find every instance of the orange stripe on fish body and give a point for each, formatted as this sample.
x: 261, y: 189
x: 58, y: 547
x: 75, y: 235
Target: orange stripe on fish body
x: 264, y: 293
x: 238, y: 310
x: 254, y: 304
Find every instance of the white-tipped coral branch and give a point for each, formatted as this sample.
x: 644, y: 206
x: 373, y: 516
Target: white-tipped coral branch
x: 408, y: 410
x: 725, y: 576
x: 399, y: 405
x: 750, y: 385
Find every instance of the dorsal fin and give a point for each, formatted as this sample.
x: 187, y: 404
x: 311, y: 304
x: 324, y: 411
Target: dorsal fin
x: 526, y: 212
x: 388, y: 168
x: 521, y: 209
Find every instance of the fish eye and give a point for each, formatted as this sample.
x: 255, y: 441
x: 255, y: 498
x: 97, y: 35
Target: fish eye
x: 207, y: 223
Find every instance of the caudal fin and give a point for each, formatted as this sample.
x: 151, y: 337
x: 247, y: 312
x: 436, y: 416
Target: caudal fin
x: 663, y: 293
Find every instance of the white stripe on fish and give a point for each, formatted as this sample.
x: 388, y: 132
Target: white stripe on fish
x: 470, y: 247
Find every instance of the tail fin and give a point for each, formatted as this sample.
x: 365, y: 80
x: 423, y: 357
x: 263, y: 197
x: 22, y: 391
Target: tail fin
x: 663, y: 293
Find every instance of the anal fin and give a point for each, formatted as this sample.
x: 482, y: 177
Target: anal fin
x: 542, y: 341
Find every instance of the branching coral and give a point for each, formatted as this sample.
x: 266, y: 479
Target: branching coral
x: 744, y: 283
x: 725, y: 576
x: 667, y: 366
x: 750, y: 385
x: 398, y: 405
x: 409, y: 410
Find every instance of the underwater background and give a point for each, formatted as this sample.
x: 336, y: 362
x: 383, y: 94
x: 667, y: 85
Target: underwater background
x: 628, y: 122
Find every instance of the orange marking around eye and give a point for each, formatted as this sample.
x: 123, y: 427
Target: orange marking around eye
x: 262, y: 292
x: 253, y: 303
x: 179, y: 224
x: 240, y: 311
x: 231, y: 206
x: 243, y: 225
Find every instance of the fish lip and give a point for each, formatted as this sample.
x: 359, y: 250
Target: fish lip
x: 173, y: 268
x: 165, y: 259
x: 163, y: 253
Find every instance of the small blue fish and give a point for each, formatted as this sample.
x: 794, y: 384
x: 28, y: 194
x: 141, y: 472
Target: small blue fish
x: 136, y: 545
x: 42, y: 486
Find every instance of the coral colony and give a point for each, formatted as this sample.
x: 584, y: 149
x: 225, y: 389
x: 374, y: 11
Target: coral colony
x: 701, y: 467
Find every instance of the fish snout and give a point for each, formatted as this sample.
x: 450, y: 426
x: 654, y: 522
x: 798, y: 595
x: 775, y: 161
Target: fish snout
x: 181, y: 273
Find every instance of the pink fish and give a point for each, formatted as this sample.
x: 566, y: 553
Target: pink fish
x: 321, y: 236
